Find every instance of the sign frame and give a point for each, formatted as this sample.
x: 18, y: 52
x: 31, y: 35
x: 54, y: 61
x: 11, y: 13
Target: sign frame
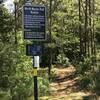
x: 45, y: 20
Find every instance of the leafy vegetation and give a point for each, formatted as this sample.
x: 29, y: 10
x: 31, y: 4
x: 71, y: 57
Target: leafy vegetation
x: 16, y: 79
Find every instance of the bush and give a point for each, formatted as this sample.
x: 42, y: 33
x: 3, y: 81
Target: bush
x: 89, y: 75
x: 43, y: 86
x: 83, y: 69
x: 95, y: 83
x: 83, y: 66
x: 63, y: 60
x: 85, y: 81
x: 5, y: 95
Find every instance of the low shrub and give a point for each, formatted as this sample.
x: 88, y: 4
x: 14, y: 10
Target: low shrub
x: 62, y: 60
x: 43, y: 86
x: 5, y: 95
x: 89, y: 75
x: 83, y: 66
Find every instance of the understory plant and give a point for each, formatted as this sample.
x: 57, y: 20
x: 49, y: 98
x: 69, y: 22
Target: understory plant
x: 89, y: 73
x: 62, y: 60
x: 43, y: 86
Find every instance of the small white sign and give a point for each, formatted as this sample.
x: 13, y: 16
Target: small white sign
x: 36, y: 61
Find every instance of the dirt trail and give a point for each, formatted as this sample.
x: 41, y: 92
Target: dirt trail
x: 66, y: 86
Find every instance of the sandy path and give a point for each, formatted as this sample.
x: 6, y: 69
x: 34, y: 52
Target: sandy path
x: 66, y: 86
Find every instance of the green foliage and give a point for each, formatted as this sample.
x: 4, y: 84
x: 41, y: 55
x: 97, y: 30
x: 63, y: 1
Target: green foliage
x: 83, y: 69
x: 90, y: 81
x: 43, y: 82
x: 96, y: 85
x: 62, y: 60
x: 43, y: 86
x: 7, y: 49
x: 14, y: 65
x: 84, y: 66
x: 89, y: 75
x: 85, y: 81
x: 5, y: 95
x: 53, y: 76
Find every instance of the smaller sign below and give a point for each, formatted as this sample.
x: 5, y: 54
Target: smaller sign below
x: 33, y: 50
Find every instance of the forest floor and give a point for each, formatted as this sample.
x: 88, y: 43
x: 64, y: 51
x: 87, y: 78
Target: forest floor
x: 66, y: 86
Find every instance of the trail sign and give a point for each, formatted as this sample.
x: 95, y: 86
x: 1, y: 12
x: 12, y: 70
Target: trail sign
x: 34, y: 22
x: 33, y: 50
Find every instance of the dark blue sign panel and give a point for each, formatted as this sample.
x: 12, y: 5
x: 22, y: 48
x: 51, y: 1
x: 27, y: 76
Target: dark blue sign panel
x: 34, y: 22
x: 33, y: 50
